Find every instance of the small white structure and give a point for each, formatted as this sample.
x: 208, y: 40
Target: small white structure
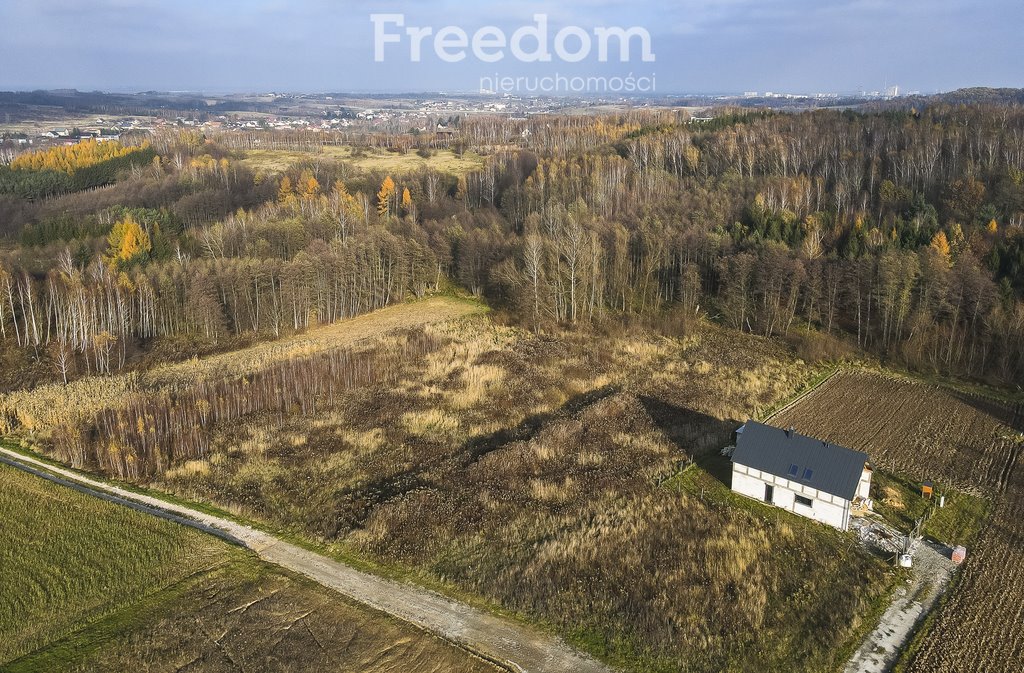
x: 806, y: 476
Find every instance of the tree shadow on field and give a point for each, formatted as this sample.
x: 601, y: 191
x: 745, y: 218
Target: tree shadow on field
x: 697, y: 435
x: 479, y: 447
x: 445, y: 469
x: 1008, y: 413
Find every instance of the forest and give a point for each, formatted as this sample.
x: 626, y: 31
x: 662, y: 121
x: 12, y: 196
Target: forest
x: 894, y: 233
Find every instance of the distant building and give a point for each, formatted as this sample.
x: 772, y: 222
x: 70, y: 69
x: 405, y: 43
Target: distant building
x: 806, y: 476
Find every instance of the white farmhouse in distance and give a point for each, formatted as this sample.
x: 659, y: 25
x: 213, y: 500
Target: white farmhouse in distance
x: 806, y: 476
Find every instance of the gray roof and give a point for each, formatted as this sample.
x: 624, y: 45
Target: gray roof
x: 826, y: 467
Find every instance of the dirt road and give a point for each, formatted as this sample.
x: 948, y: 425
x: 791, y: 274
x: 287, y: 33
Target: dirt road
x: 931, y: 573
x: 513, y: 645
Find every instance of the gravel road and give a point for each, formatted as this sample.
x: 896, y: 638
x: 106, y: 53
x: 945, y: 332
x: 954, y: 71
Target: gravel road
x: 930, y: 576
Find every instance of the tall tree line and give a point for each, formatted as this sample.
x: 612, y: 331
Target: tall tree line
x: 900, y: 231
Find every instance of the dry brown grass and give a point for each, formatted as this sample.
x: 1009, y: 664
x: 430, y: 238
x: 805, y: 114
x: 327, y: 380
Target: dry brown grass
x: 346, y: 333
x: 38, y: 411
x: 526, y: 469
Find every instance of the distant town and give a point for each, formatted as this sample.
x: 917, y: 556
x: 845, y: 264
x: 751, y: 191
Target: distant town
x: 25, y: 116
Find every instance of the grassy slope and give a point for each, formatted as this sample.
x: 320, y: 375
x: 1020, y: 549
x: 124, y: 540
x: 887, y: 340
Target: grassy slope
x: 559, y: 517
x: 516, y: 470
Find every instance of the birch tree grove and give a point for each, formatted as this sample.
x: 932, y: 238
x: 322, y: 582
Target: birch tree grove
x: 98, y: 310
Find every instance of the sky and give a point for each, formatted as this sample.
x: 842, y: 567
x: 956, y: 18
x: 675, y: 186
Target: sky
x: 720, y: 46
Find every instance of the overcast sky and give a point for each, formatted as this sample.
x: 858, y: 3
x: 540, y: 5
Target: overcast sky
x: 324, y: 45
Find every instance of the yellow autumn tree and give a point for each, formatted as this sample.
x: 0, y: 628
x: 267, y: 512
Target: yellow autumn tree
x: 940, y: 244
x: 385, y: 196
x: 127, y: 241
x: 342, y: 201
x: 341, y: 192
x: 406, y: 200
x: 285, y: 191
x: 69, y: 158
x: 308, y: 186
x: 993, y: 227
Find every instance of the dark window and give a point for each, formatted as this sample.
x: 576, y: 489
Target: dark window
x: 769, y: 492
x: 808, y: 472
x: 793, y: 470
x: 806, y: 502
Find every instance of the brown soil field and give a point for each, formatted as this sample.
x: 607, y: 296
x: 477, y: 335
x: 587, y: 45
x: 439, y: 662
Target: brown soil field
x: 917, y: 429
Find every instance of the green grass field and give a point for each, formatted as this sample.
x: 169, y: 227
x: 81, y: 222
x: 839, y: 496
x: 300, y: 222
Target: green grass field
x: 899, y: 501
x: 68, y: 559
x: 92, y: 586
x: 273, y: 161
x: 247, y: 615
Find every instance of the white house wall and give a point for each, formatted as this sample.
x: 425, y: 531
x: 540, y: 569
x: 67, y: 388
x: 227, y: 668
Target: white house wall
x: 825, y: 507
x: 864, y: 487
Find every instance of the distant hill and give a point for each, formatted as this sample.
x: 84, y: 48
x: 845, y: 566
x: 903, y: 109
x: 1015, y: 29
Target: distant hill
x: 983, y: 94
x: 970, y: 96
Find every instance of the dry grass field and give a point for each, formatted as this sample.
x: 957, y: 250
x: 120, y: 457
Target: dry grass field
x: 541, y: 475
x: 931, y: 432
x: 274, y: 161
x: 529, y: 472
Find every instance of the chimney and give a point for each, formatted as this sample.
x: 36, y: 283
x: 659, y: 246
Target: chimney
x: 790, y: 430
